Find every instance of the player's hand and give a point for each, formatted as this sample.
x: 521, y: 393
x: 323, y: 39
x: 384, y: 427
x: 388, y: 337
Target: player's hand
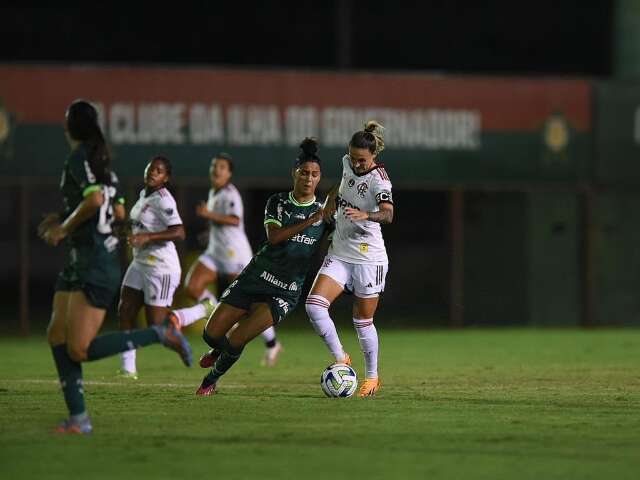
x: 355, y: 215
x: 54, y: 234
x: 139, y: 240
x: 317, y: 216
x: 46, y: 223
x: 201, y: 210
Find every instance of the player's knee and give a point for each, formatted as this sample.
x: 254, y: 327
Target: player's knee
x: 78, y: 353
x: 217, y: 343
x: 194, y: 290
x: 316, y: 307
x: 55, y: 334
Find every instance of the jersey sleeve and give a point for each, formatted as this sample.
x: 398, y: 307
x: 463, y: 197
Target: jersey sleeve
x: 233, y: 205
x: 119, y: 198
x: 168, y: 211
x: 381, y: 188
x: 273, y: 211
x: 81, y: 172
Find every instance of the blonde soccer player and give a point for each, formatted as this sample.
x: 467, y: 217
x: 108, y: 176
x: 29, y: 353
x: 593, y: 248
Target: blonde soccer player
x: 228, y: 251
x: 357, y: 259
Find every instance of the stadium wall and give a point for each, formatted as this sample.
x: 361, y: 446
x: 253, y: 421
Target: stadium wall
x: 545, y: 169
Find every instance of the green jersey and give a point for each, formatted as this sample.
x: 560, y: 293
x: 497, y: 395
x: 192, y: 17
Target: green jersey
x: 276, y: 273
x: 92, y: 263
x: 78, y: 181
x: 286, y: 265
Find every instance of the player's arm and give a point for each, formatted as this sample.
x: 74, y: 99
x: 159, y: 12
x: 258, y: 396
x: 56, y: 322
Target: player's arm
x: 383, y: 216
x: 330, y: 203
x: 85, y: 210
x: 219, y: 218
x: 171, y: 234
x: 276, y: 233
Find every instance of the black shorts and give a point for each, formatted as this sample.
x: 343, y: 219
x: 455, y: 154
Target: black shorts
x: 95, y: 272
x: 248, y: 289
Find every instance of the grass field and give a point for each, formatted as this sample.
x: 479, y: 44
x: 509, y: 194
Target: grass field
x: 488, y: 404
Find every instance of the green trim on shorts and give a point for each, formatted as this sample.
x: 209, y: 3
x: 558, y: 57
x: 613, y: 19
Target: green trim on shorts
x: 90, y: 189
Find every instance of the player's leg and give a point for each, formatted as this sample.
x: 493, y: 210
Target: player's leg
x: 369, y: 283
x: 201, y: 274
x: 254, y: 322
x: 69, y: 371
x: 83, y: 323
x: 84, y: 345
x: 131, y: 301
x: 328, y: 285
x: 224, y: 318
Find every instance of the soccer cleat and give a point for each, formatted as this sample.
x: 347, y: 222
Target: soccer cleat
x: 127, y: 375
x: 208, y: 359
x: 171, y: 337
x: 369, y: 387
x: 206, y: 391
x: 74, y: 428
x: 209, y: 306
x: 271, y: 355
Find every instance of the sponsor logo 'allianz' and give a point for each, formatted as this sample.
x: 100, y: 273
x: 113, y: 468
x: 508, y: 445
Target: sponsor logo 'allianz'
x: 273, y: 280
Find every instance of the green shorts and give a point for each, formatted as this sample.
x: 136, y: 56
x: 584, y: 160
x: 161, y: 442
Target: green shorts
x: 95, y: 272
x: 249, y: 288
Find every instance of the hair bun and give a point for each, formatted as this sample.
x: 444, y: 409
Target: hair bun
x: 372, y: 126
x: 309, y: 147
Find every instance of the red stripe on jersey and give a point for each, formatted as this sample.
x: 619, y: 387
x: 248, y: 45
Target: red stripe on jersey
x: 383, y: 174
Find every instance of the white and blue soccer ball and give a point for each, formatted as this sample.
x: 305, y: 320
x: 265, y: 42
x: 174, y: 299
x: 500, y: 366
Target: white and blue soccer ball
x: 338, y: 381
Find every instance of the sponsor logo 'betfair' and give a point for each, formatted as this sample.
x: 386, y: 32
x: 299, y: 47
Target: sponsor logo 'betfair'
x: 273, y: 280
x: 300, y: 238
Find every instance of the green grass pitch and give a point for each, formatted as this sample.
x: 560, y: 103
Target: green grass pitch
x: 490, y: 404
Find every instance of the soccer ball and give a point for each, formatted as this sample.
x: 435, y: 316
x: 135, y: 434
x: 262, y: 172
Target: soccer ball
x: 338, y: 380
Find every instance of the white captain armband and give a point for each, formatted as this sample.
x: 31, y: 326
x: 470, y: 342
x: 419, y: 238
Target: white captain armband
x: 384, y: 197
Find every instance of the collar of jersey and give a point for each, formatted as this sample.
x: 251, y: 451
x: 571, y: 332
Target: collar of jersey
x: 377, y: 165
x: 215, y: 192
x: 297, y: 203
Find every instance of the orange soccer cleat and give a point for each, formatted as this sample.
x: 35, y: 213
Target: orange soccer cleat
x: 369, y: 387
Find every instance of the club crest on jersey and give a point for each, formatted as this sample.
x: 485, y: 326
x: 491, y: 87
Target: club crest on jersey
x: 362, y: 189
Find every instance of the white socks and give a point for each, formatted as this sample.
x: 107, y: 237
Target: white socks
x: 318, y: 310
x: 368, y: 338
x: 129, y: 361
x: 189, y: 315
x: 269, y: 334
x: 206, y: 293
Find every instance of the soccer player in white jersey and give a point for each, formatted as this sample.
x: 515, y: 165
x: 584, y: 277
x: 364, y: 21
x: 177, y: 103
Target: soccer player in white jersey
x: 357, y: 259
x: 229, y: 250
x: 154, y: 273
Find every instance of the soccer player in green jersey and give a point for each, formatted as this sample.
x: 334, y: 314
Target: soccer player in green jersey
x: 90, y: 278
x: 270, y: 286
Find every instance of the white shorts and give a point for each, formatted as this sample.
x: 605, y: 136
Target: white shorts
x: 365, y: 281
x: 158, y: 287
x: 222, y: 265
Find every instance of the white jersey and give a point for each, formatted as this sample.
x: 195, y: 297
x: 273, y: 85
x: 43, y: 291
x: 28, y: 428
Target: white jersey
x: 227, y: 242
x: 156, y: 213
x: 360, y: 242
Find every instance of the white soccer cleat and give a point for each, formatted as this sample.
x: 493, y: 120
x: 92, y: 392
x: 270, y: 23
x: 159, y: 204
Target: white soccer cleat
x: 271, y: 355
